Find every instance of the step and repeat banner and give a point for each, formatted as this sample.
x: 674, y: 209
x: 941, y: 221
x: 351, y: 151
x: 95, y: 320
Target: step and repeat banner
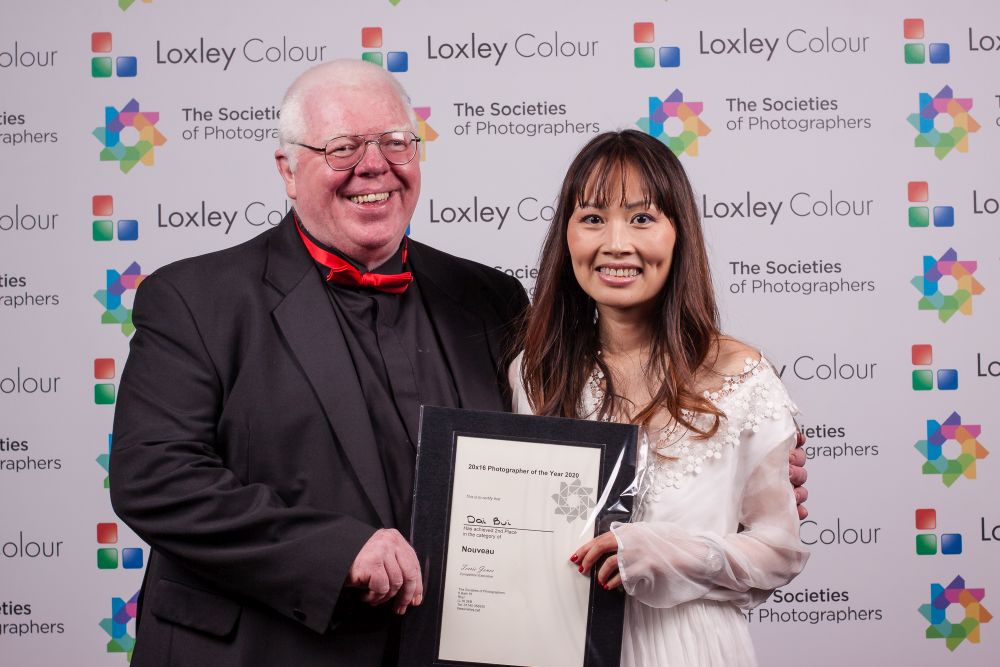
x: 844, y: 156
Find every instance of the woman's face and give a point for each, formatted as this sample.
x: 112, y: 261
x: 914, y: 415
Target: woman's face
x: 621, y: 254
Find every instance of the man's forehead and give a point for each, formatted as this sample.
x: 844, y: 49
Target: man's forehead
x: 355, y: 110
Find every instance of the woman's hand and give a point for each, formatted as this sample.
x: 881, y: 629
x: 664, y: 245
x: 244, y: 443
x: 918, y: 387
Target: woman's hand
x: 591, y: 552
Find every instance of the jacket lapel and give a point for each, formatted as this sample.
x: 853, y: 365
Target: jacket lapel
x: 309, y: 325
x: 469, y: 344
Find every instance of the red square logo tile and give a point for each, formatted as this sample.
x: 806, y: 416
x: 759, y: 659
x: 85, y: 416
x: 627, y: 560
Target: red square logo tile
x: 103, y: 204
x: 922, y: 355
x: 104, y: 369
x: 926, y: 519
x: 100, y: 42
x: 371, y: 38
x: 917, y: 191
x: 644, y: 32
x: 913, y: 28
x: 107, y: 533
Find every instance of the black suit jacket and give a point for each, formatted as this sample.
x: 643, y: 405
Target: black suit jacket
x: 243, y: 454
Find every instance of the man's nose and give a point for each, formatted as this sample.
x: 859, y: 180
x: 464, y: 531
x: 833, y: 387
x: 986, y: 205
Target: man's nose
x: 372, y: 161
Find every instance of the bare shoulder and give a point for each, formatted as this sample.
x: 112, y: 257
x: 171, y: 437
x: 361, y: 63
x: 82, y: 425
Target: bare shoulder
x: 731, y: 357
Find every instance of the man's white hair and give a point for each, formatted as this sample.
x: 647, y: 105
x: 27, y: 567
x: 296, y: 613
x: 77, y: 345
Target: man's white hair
x: 344, y: 73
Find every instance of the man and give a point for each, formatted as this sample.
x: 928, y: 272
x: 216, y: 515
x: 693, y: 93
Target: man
x: 265, y: 430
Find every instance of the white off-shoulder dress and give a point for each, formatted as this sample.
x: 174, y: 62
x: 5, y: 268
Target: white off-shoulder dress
x: 687, y: 565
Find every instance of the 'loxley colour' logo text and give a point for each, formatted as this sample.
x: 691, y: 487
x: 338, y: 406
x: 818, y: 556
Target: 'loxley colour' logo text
x: 919, y: 214
x: 394, y: 61
x: 100, y: 65
x: 925, y: 122
x: 123, y: 614
x: 643, y: 57
x: 687, y: 113
x: 115, y: 122
x: 118, y: 284
x: 927, y: 543
x: 929, y: 285
x: 971, y: 601
x: 105, y: 229
x: 939, y: 435
x: 915, y: 52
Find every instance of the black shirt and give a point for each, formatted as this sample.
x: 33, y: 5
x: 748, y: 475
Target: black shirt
x: 400, y: 365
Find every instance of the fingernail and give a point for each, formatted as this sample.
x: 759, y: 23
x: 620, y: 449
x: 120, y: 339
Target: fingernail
x: 606, y: 587
x: 417, y: 600
x: 574, y: 558
x: 581, y: 568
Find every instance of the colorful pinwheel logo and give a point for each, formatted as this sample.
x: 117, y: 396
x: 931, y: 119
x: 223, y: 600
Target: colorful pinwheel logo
x: 424, y: 130
x: 932, y: 449
x: 963, y: 124
x: 118, y: 284
x: 122, y: 613
x: 971, y: 600
x: 660, y: 111
x: 929, y: 285
x: 110, y: 135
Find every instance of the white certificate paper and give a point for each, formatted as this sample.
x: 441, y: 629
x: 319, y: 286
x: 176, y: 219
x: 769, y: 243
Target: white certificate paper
x: 511, y: 596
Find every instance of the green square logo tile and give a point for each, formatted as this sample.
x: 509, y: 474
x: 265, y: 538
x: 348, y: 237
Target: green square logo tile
x: 103, y: 230
x: 923, y: 380
x: 374, y: 57
x: 920, y: 216
x: 100, y: 67
x: 645, y: 56
x: 913, y: 54
x: 104, y: 394
x: 926, y: 544
x: 107, y: 559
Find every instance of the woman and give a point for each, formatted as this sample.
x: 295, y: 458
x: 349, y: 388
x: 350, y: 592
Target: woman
x: 625, y: 328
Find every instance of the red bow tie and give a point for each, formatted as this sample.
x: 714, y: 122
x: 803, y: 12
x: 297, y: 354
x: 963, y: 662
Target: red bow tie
x: 343, y: 272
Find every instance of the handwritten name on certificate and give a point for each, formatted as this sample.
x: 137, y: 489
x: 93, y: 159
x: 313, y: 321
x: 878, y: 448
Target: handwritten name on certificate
x: 511, y: 596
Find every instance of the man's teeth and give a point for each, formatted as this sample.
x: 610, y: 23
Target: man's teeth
x: 367, y: 199
x: 619, y: 273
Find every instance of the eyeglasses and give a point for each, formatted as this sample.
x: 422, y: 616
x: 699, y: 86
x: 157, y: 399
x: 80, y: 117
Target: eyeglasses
x: 344, y: 153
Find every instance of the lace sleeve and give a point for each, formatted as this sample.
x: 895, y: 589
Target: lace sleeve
x: 663, y: 564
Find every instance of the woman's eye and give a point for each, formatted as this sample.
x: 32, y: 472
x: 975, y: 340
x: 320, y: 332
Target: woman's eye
x: 642, y: 219
x: 590, y: 219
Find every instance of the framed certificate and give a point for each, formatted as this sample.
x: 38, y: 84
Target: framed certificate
x: 501, y: 501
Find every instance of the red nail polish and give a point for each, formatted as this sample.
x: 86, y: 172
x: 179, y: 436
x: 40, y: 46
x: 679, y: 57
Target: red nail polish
x: 581, y: 568
x: 574, y: 558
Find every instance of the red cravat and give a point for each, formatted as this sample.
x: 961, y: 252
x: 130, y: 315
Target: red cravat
x: 343, y: 272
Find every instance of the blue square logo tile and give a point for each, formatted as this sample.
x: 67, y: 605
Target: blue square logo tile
x: 128, y: 230
x: 670, y: 56
x: 951, y: 543
x: 126, y: 66
x: 397, y: 61
x: 947, y: 379
x: 132, y: 559
x: 940, y: 53
x: 944, y: 216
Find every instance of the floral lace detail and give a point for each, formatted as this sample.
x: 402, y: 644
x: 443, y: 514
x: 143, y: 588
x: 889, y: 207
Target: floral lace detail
x: 667, y: 458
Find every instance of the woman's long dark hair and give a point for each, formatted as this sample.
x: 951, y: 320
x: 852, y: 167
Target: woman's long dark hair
x: 560, y: 336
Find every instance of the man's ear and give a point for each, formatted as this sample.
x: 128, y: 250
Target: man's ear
x: 284, y: 165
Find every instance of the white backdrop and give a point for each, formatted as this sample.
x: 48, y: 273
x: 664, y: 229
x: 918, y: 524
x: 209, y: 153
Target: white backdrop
x: 800, y: 151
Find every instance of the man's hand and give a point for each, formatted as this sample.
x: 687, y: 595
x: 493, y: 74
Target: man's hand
x: 387, y: 566
x: 797, y: 474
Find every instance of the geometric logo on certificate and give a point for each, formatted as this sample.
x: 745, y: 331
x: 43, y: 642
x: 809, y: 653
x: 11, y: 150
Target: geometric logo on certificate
x: 574, y: 500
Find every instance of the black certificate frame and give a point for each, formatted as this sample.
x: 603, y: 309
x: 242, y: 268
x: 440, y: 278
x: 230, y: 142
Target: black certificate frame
x: 432, y: 506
